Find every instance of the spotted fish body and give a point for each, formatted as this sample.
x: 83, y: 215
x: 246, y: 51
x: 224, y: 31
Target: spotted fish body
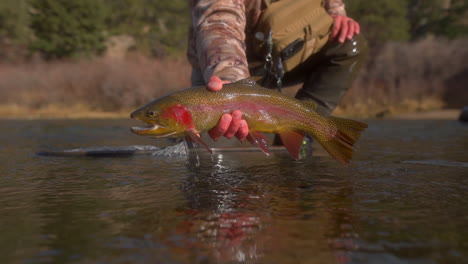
x: 197, y: 110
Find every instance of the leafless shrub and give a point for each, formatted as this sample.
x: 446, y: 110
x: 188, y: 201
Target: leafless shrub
x: 411, y: 76
x: 102, y: 84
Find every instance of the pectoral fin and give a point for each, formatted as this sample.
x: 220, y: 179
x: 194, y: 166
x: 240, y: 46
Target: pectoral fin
x: 292, y: 141
x: 193, y: 136
x: 260, y: 140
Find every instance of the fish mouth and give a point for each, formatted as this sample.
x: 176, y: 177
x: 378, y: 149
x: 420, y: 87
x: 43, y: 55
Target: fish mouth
x: 144, y: 130
x: 153, y: 130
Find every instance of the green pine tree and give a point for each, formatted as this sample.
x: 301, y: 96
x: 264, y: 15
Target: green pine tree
x: 68, y: 28
x: 439, y: 18
x: 14, y: 21
x: 381, y: 20
x: 159, y: 27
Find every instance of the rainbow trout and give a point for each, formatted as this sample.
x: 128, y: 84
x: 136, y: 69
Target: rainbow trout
x: 195, y: 110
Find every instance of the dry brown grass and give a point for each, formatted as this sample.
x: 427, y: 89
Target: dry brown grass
x: 408, y: 77
x: 66, y: 88
x: 402, y: 77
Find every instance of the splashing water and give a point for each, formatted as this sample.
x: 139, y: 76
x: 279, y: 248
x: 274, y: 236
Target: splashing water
x: 194, y: 158
x: 114, y: 149
x: 180, y: 149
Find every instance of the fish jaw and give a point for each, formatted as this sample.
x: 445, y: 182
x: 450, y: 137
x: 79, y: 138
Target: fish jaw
x: 153, y: 130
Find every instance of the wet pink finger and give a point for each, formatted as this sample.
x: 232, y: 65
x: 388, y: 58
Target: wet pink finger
x: 243, y: 130
x: 237, y: 114
x: 234, y: 126
x: 344, y: 31
x: 351, y: 29
x: 336, y: 26
x: 221, y: 127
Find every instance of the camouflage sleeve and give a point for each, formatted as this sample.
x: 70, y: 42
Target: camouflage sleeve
x: 335, y: 7
x: 217, y: 39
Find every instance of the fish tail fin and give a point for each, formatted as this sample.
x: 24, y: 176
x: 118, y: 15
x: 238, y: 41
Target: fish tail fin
x: 339, y: 140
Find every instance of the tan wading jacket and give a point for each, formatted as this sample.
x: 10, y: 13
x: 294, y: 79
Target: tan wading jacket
x: 221, y: 33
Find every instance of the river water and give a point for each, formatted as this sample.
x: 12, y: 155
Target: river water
x: 402, y: 200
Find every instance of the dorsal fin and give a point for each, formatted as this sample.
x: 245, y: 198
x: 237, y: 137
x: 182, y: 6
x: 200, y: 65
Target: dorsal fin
x: 256, y: 79
x: 309, y: 105
x: 252, y: 80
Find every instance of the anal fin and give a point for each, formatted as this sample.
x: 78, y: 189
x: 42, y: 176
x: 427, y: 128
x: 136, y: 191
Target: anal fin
x: 259, y: 140
x: 292, y: 141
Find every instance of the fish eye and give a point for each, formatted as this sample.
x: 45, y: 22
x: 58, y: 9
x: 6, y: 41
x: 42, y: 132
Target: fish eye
x: 151, y: 113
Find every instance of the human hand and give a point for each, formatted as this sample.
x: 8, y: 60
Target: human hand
x: 344, y: 28
x: 230, y: 124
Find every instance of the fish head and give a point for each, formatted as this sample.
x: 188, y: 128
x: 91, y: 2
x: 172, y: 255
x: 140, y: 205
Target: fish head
x: 165, y: 117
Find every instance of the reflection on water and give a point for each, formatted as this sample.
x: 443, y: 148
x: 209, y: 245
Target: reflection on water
x: 401, y: 201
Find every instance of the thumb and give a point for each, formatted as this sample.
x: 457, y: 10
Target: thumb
x: 215, y: 83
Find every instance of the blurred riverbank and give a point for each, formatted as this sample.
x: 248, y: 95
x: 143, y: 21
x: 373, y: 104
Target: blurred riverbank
x: 401, y: 79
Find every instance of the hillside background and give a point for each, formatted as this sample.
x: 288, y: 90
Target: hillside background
x: 66, y: 58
